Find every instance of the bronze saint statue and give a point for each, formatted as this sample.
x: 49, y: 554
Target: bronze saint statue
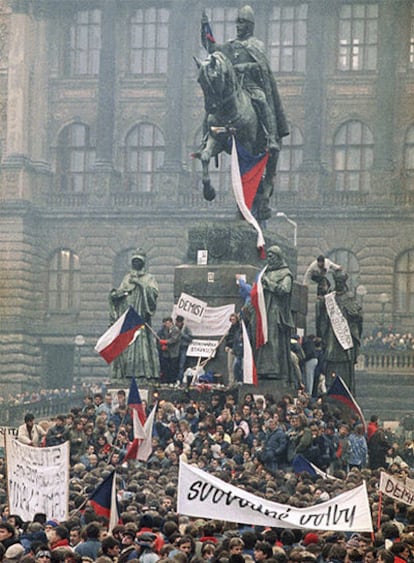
x: 241, y: 97
x: 139, y: 290
x: 273, y: 358
x: 341, y: 329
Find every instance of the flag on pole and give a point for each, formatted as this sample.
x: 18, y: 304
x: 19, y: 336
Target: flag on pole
x: 246, y: 173
x: 141, y: 446
x: 249, y: 366
x: 134, y: 401
x: 206, y: 34
x: 302, y: 465
x: 340, y: 392
x: 104, y: 502
x: 259, y: 305
x: 120, y: 335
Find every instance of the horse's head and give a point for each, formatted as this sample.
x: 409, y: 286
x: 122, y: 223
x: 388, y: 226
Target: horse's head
x: 216, y: 78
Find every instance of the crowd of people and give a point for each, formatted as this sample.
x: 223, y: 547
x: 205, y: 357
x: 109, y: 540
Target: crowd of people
x: 250, y: 441
x: 383, y: 340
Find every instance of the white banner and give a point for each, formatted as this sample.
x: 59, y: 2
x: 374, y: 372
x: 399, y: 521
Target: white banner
x: 4, y: 431
x: 397, y: 489
x: 38, y: 480
x: 190, y: 308
x: 338, y: 322
x: 202, y: 348
x: 205, y: 496
x: 215, y: 321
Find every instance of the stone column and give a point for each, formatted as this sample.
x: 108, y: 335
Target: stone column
x: 388, y: 38
x: 313, y: 173
x: 105, y: 177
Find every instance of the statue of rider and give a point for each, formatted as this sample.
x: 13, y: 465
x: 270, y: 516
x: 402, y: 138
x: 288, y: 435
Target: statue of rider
x: 250, y: 61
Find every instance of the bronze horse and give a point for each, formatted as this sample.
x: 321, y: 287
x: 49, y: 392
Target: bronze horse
x: 229, y: 110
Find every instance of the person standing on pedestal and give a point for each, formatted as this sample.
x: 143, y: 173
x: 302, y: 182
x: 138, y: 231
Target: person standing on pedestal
x: 140, y: 291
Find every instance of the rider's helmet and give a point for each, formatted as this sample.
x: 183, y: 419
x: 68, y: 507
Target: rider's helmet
x: 246, y: 13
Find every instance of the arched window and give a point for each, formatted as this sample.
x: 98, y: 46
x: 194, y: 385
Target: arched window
x: 82, y: 55
x: 353, y: 155
x: 349, y: 263
x: 76, y: 158
x: 290, y: 160
x: 404, y: 283
x: 409, y: 159
x: 122, y: 265
x: 148, y: 41
x: 64, y: 282
x: 144, y: 155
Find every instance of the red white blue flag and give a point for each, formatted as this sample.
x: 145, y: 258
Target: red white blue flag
x: 258, y: 302
x: 249, y: 366
x: 141, y: 446
x: 104, y: 501
x: 120, y: 335
x: 134, y: 401
x: 340, y: 392
x: 206, y: 34
x: 246, y: 173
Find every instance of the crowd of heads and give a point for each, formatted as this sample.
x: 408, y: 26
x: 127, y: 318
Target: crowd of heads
x: 383, y: 340
x: 223, y: 433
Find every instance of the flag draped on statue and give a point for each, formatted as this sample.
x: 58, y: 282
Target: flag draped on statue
x: 249, y: 366
x: 259, y: 305
x: 246, y: 174
x: 340, y: 392
x: 104, y: 502
x: 120, y: 335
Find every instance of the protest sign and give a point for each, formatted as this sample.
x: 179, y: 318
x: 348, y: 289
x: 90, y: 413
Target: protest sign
x: 202, y: 348
x: 216, y: 321
x: 397, y: 489
x: 338, y: 322
x: 38, y: 480
x: 4, y: 430
x: 190, y: 307
x: 204, y: 496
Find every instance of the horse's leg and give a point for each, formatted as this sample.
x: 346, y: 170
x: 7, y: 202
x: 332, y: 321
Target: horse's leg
x: 210, y: 150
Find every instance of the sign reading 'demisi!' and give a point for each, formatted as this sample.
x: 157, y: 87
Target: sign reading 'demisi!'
x: 205, y: 496
x: 397, y: 489
x: 190, y: 307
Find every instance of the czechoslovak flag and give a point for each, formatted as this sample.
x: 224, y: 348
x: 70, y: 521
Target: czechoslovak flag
x: 120, y: 335
x: 249, y: 367
x: 104, y: 501
x: 246, y: 174
x: 258, y: 302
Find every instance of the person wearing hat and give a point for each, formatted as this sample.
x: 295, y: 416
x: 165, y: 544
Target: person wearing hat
x: 128, y: 545
x: 43, y: 555
x: 139, y: 290
x: 146, y: 543
x: 30, y: 433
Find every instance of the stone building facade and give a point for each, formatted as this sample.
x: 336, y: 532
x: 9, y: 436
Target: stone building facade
x: 99, y: 112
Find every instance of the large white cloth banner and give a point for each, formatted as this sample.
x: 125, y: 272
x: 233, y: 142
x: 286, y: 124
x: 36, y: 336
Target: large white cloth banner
x: 397, y: 489
x: 205, y: 496
x: 38, y: 480
x: 339, y: 323
x: 215, y: 321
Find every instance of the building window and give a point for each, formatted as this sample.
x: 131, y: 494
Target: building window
x: 76, y: 158
x: 290, y: 160
x: 350, y: 265
x: 404, y: 283
x: 84, y: 44
x: 358, y: 30
x: 64, y: 282
x: 411, y: 53
x: 353, y: 156
x: 148, y: 41
x: 144, y: 155
x: 287, y: 38
x: 409, y: 159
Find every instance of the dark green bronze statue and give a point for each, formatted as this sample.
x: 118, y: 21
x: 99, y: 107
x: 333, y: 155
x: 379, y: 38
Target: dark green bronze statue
x: 140, y: 291
x: 241, y: 97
